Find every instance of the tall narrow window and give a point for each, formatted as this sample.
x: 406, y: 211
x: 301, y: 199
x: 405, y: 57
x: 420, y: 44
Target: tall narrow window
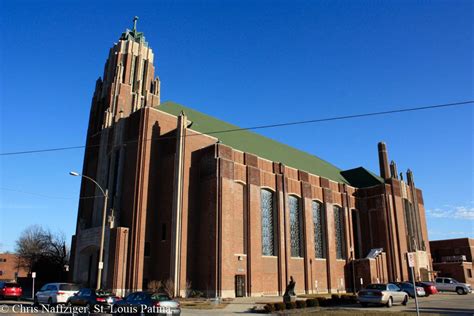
x: 409, y: 225
x: 268, y: 222
x: 295, y: 227
x: 319, y: 230
x: 340, y: 232
x: 132, y: 70
x: 355, y: 231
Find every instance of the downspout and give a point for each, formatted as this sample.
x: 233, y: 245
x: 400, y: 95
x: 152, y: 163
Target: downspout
x: 282, y: 170
x: 177, y: 204
x: 351, y: 237
x: 247, y: 233
x: 218, y: 241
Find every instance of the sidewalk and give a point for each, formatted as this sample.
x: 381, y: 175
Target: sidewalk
x: 239, y: 305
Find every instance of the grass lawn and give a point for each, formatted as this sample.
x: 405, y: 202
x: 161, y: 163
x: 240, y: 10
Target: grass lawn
x: 202, y: 304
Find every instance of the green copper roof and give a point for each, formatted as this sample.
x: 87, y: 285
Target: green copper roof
x: 256, y: 144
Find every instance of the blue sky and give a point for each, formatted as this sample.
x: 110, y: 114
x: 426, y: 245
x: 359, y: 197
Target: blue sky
x: 248, y: 63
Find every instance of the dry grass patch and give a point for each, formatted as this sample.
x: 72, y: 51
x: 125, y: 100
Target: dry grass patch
x: 202, y: 304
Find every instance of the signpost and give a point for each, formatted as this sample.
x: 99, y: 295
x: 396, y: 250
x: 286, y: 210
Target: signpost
x: 33, y: 276
x: 411, y: 264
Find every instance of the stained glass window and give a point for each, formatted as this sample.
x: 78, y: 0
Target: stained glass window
x: 268, y: 222
x: 319, y: 230
x: 340, y: 232
x: 295, y: 227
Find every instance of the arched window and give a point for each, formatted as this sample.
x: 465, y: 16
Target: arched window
x: 295, y: 227
x: 319, y: 225
x: 340, y: 232
x: 267, y: 205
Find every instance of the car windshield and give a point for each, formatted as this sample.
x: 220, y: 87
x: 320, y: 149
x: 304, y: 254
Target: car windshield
x: 381, y: 287
x: 12, y: 285
x: 160, y: 297
x: 69, y: 287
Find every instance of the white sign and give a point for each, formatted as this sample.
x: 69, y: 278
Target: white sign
x: 33, y: 275
x: 101, y: 265
x: 361, y: 281
x: 411, y: 259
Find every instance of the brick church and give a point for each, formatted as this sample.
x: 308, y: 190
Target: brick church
x: 228, y: 213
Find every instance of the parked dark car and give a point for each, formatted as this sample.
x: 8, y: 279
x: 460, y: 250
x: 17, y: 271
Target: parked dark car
x: 430, y: 288
x: 147, y: 303
x: 94, y: 300
x: 10, y: 290
x: 407, y: 287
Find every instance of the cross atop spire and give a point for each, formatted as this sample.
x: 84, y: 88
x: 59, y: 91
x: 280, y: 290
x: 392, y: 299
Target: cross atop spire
x: 135, y: 19
x: 133, y: 34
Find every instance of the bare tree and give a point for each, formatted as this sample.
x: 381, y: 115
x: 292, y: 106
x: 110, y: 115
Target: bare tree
x: 31, y: 244
x: 37, y: 244
x: 154, y: 285
x: 58, y: 252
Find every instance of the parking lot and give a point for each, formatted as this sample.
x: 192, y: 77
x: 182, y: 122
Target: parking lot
x: 445, y: 304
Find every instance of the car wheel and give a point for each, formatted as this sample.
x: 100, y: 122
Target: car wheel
x: 390, y: 302
x: 364, y: 304
x: 405, y: 300
x: 460, y: 290
x: 35, y: 301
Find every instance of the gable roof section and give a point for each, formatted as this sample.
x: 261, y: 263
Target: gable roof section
x: 257, y: 144
x: 361, y: 177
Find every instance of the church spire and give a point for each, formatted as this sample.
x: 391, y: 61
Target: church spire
x: 129, y: 82
x: 133, y: 34
x: 135, y: 19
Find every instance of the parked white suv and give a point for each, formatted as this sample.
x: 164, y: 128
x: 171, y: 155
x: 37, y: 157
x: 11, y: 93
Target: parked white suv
x: 451, y: 285
x: 55, y: 293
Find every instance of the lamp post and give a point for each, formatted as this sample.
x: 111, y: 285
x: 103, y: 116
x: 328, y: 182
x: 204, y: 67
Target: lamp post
x: 104, y: 217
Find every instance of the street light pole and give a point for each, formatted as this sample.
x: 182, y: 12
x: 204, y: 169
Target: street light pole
x: 104, y: 218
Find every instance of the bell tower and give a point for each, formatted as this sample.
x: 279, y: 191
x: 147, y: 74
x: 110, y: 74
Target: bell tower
x: 128, y: 83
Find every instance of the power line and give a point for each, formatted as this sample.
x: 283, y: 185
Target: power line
x: 335, y: 118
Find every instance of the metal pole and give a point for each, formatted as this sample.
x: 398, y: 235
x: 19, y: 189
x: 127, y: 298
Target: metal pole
x: 353, y: 272
x: 102, y: 237
x: 33, y: 290
x: 414, y: 289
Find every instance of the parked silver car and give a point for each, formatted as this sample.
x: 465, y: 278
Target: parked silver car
x: 451, y: 285
x: 385, y: 294
x: 55, y: 293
